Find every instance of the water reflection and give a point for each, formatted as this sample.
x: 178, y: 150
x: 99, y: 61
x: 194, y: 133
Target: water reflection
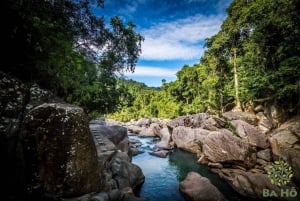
x: 164, y: 174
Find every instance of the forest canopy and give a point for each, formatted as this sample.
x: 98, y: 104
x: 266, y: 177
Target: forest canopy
x: 63, y: 46
x: 255, y: 56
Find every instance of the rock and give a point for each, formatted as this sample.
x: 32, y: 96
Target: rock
x: 165, y: 138
x: 100, y: 122
x: 259, y: 108
x: 115, y: 195
x: 128, y: 195
x: 189, y: 139
x: 245, y: 116
x: 116, y: 134
x: 198, y: 188
x: 135, y: 151
x: 134, y: 129
x: 223, y: 146
x: 161, y: 153
x: 215, y: 165
x: 100, y: 197
x: 251, y: 134
x: 251, y: 184
x: 285, y: 144
x: 13, y: 98
x: 151, y: 131
x: 262, y: 162
x: 58, y: 151
x: 264, y: 124
x: 144, y: 122
x: 125, y: 173
x: 265, y: 154
x: 275, y: 114
x: 39, y: 96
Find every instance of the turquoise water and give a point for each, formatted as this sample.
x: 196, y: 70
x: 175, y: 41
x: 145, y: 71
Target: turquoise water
x: 164, y: 174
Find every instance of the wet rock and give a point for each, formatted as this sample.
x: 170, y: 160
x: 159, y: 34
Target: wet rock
x: 161, y: 153
x: 198, y: 188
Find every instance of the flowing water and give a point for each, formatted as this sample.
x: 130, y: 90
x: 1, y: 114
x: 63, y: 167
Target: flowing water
x: 164, y: 174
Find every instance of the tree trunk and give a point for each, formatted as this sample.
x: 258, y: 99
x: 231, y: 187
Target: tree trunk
x: 236, y: 83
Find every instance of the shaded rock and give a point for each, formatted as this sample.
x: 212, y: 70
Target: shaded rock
x: 116, y: 134
x: 251, y: 184
x: 264, y: 124
x: 259, y: 108
x: 198, y: 188
x: 125, y: 173
x: 100, y: 122
x: 58, y: 151
x: 128, y: 195
x: 223, y: 146
x: 13, y: 98
x: 285, y: 144
x: 134, y: 129
x: 189, y: 139
x: 144, y: 122
x: 251, y: 134
x: 275, y: 114
x: 161, y: 153
x: 245, y: 116
x: 100, y: 197
x: 265, y: 154
x: 215, y: 165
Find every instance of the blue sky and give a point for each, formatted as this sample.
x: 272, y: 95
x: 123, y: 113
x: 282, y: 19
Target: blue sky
x: 174, y: 32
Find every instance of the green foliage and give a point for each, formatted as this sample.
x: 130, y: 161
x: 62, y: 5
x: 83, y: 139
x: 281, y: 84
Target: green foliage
x: 62, y: 46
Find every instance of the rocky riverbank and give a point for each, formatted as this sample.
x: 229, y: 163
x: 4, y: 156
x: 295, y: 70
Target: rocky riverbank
x: 51, y: 152
x: 239, y: 146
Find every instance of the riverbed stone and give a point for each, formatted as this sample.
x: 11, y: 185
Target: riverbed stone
x: 198, y: 188
x: 265, y: 154
x: 165, y: 138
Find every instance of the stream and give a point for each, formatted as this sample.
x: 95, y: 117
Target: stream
x: 162, y: 175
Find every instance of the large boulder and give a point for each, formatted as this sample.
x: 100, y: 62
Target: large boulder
x: 58, y: 151
x: 151, y: 131
x: 253, y: 184
x: 165, y: 138
x: 189, y: 139
x: 245, y: 116
x: 198, y: 188
x: 223, y: 146
x: 116, y: 134
x: 125, y: 173
x: 285, y: 144
x: 251, y: 134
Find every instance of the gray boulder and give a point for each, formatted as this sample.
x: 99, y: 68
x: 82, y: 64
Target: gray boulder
x: 198, y: 188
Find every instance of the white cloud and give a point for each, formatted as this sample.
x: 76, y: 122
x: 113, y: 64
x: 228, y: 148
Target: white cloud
x: 152, y: 72
x: 180, y: 39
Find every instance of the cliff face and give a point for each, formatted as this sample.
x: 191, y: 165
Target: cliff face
x: 50, y: 151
